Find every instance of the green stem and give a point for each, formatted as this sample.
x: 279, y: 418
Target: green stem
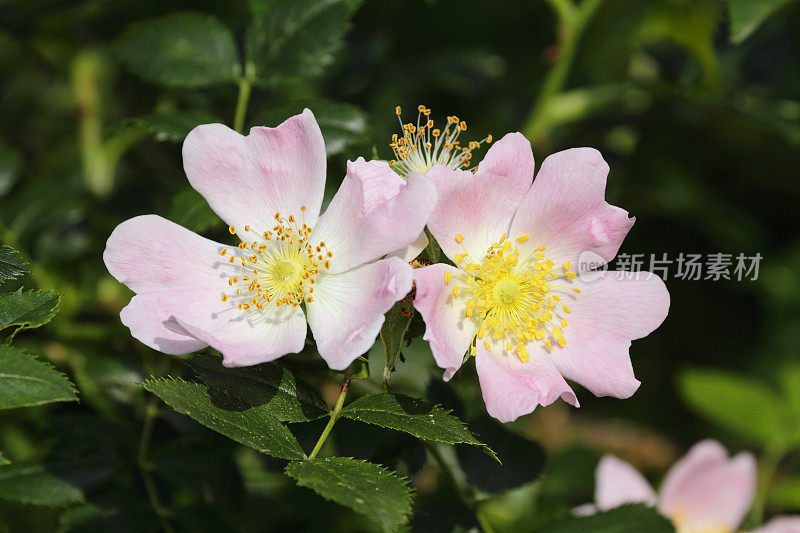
x: 767, y: 466
x: 466, y: 494
x: 573, y: 21
x: 241, y: 104
x: 150, y: 414
x: 334, y: 414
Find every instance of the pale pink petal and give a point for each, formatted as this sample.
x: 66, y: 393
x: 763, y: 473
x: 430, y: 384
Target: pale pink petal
x: 511, y: 156
x: 378, y: 181
x: 446, y: 329
x: 618, y: 483
x: 183, y: 277
x: 246, y: 180
x: 511, y: 388
x: 347, y: 311
x: 605, y: 317
x: 587, y: 509
x: 565, y: 209
x: 246, y: 338
x: 705, y: 489
x: 362, y: 223
x: 146, y: 321
x: 412, y: 251
x: 479, y: 207
x: 150, y: 254
x: 781, y: 524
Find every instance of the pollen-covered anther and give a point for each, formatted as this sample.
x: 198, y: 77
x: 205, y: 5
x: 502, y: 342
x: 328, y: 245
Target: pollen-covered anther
x: 280, y: 266
x: 514, y: 293
x: 422, y: 145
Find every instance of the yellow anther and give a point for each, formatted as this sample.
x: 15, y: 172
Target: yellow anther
x: 522, y: 238
x: 459, y: 238
x: 448, y: 276
x: 414, y: 150
x: 232, y: 230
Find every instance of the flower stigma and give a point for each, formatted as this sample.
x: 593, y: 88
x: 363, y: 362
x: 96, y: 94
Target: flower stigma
x: 422, y: 145
x: 514, y: 294
x: 278, y: 267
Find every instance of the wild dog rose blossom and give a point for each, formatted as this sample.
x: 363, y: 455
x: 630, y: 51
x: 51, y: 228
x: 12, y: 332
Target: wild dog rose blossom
x: 704, y: 492
x: 422, y: 145
x: 514, y: 300
x: 252, y: 301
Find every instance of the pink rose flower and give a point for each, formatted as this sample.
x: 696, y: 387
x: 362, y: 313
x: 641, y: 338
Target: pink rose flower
x: 293, y: 265
x: 515, y: 300
x: 704, y: 492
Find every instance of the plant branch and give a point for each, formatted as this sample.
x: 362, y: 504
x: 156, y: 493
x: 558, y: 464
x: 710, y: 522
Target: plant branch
x: 150, y: 415
x: 767, y: 465
x: 334, y: 414
x: 241, y: 104
x: 464, y: 491
x: 573, y: 20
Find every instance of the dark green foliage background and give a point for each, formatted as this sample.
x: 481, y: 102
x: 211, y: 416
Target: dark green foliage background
x: 694, y: 104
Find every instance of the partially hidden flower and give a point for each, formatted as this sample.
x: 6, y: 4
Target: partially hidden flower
x: 252, y: 301
x: 515, y: 299
x: 704, y: 492
x: 421, y: 145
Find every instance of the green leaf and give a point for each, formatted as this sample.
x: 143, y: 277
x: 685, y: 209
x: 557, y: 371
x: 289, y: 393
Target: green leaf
x: 282, y: 394
x: 367, y: 488
x: 737, y: 403
x: 790, y: 379
x: 414, y: 416
x: 180, y: 50
x: 251, y: 426
x: 28, y: 309
x: 785, y: 493
x: 173, y: 126
x: 393, y: 333
x: 433, y: 251
x: 37, y: 484
x: 3, y: 460
x: 296, y: 39
x: 10, y: 165
x: 748, y: 15
x: 26, y: 381
x: 631, y: 518
x: 342, y: 124
x: 190, y: 210
x: 11, y: 264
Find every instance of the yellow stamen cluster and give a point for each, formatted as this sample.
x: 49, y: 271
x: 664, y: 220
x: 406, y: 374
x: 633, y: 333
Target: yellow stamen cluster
x: 683, y: 525
x: 278, y: 267
x: 422, y: 145
x: 514, y: 295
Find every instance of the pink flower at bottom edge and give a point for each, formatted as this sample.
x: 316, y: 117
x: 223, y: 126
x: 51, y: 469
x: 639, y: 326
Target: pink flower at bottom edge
x: 517, y: 299
x: 248, y: 302
x: 706, y: 491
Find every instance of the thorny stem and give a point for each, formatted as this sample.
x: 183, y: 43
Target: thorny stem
x: 465, y: 494
x: 150, y: 414
x: 334, y: 414
x: 241, y: 103
x: 573, y: 21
